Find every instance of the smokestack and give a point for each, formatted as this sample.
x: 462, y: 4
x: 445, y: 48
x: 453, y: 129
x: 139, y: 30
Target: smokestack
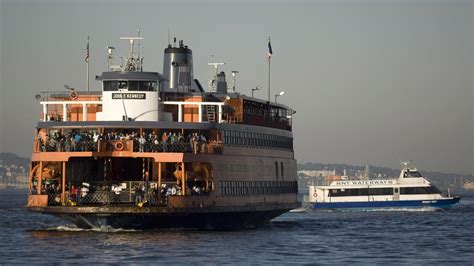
x: 178, y: 68
x: 221, y: 83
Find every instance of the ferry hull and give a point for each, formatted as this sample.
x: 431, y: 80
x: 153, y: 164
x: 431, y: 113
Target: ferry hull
x: 152, y: 218
x: 441, y: 203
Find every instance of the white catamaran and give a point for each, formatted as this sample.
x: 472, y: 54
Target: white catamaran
x: 410, y: 190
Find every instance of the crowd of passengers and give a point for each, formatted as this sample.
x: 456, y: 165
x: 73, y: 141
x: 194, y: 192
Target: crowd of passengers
x: 151, y: 142
x: 141, y: 195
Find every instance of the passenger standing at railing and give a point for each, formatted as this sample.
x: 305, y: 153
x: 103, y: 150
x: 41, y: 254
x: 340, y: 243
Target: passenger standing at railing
x: 174, y: 138
x: 116, y: 189
x: 84, y: 189
x: 155, y: 142
x: 138, y: 194
x: 163, y: 194
x: 164, y: 142
x: 75, y: 142
x: 96, y: 140
x: 73, y: 193
x: 41, y: 143
x: 203, y: 142
x: 141, y: 142
x: 195, y: 143
x: 155, y: 194
x: 190, y: 140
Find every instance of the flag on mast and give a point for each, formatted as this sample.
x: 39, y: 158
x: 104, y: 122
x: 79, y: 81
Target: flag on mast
x: 270, y: 52
x: 87, y: 51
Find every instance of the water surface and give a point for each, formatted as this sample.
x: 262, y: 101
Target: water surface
x: 400, y: 236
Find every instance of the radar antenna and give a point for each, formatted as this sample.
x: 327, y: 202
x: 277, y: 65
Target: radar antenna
x: 132, y: 62
x: 213, y: 80
x: 234, y: 77
x: 110, y: 49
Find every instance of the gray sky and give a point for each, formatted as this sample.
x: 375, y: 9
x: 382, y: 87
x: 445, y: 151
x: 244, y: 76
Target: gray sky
x: 372, y: 81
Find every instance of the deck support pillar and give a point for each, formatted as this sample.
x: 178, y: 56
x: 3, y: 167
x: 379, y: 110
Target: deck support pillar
x: 39, y: 184
x: 64, y: 112
x: 84, y: 112
x: 159, y: 176
x: 183, y: 179
x: 45, y: 112
x: 63, y: 184
x: 200, y: 113
x: 180, y: 113
x: 220, y: 114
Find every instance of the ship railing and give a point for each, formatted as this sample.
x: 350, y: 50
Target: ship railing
x: 103, y: 198
x: 123, y: 193
x: 186, y: 147
x: 54, y: 199
x: 66, y: 146
x: 128, y: 145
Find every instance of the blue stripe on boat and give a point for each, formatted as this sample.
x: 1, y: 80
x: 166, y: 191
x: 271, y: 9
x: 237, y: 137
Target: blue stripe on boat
x: 440, y: 203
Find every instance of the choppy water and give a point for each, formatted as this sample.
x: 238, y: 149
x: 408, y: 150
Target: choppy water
x: 393, y: 237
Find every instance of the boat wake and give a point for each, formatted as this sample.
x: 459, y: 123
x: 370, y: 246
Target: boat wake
x: 101, y: 229
x: 299, y: 210
x: 422, y: 209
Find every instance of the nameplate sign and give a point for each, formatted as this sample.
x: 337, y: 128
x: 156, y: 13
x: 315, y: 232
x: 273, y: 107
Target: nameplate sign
x: 128, y: 96
x: 364, y: 182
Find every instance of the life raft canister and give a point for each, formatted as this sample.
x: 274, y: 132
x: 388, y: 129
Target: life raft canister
x: 118, y: 146
x: 73, y: 95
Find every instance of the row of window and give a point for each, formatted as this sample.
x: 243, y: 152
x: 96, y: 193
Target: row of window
x: 419, y: 190
x: 252, y: 139
x: 115, y: 85
x: 360, y: 192
x: 260, y: 109
x: 382, y: 191
x: 238, y: 188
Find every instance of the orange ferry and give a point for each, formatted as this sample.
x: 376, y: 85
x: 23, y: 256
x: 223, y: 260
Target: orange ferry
x: 155, y: 150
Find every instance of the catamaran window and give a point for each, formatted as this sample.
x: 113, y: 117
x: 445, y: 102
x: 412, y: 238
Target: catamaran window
x: 412, y: 174
x: 415, y: 174
x: 419, y: 190
x: 360, y: 192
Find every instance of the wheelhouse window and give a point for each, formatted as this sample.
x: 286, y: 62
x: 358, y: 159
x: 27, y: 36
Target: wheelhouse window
x: 131, y: 85
x: 412, y: 174
x: 111, y: 85
x: 147, y: 85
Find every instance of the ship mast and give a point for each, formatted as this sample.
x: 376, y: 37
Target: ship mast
x: 213, y: 81
x: 133, y: 62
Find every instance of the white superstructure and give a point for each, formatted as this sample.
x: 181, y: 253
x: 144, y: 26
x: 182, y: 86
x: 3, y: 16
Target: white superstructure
x: 411, y: 188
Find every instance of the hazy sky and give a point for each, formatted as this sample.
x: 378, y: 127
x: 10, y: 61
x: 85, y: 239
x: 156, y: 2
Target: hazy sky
x: 372, y: 81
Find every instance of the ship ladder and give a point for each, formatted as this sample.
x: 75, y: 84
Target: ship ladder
x: 211, y: 113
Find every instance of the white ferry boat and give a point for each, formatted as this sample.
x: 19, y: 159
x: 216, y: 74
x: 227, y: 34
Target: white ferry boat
x: 410, y: 190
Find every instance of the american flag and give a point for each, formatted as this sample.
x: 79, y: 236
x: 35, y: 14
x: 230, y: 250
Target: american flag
x: 87, y: 51
x: 270, y: 52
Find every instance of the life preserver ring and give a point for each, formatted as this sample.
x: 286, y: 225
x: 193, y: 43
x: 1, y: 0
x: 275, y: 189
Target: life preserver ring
x: 315, y: 194
x: 73, y: 95
x: 119, y: 146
